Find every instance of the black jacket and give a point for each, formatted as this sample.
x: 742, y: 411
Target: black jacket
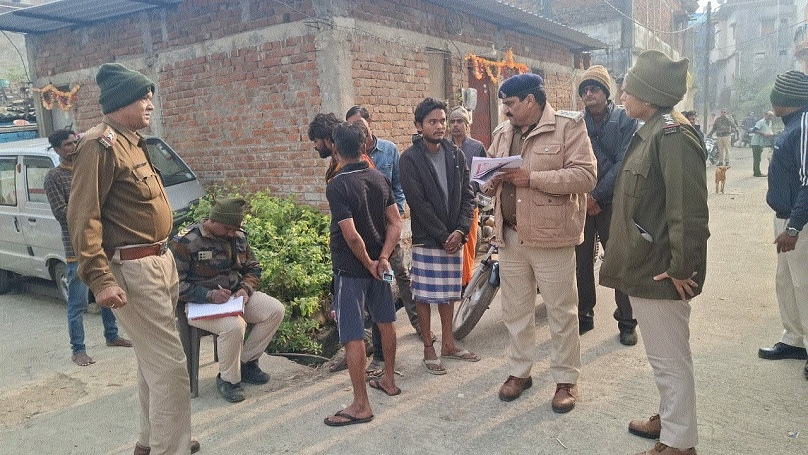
x: 610, y: 145
x: 431, y: 224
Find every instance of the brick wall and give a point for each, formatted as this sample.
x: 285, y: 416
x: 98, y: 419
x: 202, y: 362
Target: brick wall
x: 239, y: 114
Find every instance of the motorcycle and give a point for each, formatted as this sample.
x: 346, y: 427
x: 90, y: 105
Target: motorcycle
x: 485, y: 231
x: 712, y: 150
x: 478, y: 295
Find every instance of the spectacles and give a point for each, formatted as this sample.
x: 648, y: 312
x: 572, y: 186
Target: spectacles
x: 590, y: 89
x: 69, y: 143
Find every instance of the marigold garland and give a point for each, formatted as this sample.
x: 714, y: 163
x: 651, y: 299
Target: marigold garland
x: 52, y: 96
x: 495, y: 69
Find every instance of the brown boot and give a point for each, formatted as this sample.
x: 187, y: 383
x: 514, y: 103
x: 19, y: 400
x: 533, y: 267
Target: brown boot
x: 144, y: 450
x: 514, y: 387
x: 649, y: 428
x: 564, y: 399
x: 662, y: 449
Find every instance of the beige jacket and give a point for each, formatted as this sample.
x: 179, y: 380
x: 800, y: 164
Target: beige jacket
x: 563, y: 169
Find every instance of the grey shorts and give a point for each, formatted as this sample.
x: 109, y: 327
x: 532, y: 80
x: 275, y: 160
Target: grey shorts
x: 352, y: 296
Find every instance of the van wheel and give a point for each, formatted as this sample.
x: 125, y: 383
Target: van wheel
x: 6, y: 280
x: 59, y: 276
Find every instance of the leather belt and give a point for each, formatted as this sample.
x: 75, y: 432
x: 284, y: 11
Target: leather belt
x: 137, y: 252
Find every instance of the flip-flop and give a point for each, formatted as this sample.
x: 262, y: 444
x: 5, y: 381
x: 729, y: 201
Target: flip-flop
x: 437, y: 367
x: 463, y: 355
x: 352, y: 420
x: 376, y: 384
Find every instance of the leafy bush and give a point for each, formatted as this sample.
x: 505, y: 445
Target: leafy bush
x: 290, y: 241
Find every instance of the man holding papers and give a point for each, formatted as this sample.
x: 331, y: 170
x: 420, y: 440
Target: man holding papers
x: 215, y: 266
x: 540, y: 209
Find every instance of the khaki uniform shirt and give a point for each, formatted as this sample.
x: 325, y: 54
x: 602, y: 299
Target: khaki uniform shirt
x: 558, y: 155
x: 117, y: 199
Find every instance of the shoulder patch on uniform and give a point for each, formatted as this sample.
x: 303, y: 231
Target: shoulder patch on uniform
x: 499, y: 127
x: 575, y: 115
x: 183, y: 232
x: 107, y: 138
x: 671, y: 126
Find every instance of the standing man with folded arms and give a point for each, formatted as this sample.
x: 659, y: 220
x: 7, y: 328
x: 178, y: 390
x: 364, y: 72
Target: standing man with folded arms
x: 119, y: 220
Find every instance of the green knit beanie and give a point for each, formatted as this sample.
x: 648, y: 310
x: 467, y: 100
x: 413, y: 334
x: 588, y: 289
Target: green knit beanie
x: 790, y: 90
x: 228, y: 211
x: 657, y: 79
x: 120, y: 86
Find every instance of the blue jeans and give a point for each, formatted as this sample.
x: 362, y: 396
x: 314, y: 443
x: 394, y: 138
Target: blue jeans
x: 77, y: 305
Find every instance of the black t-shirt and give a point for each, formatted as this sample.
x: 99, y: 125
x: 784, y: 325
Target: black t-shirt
x: 362, y: 194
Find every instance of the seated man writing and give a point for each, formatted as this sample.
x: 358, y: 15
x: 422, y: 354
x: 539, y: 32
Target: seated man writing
x: 214, y: 263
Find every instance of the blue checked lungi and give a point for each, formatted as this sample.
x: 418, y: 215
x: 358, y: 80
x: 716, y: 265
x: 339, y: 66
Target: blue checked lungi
x: 436, y: 275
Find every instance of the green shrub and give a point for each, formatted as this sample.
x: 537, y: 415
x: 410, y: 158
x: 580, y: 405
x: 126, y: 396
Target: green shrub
x: 290, y: 241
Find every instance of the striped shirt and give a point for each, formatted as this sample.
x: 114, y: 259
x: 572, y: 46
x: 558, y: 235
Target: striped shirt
x: 57, y: 187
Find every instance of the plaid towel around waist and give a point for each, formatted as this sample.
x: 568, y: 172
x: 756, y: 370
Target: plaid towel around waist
x: 436, y: 275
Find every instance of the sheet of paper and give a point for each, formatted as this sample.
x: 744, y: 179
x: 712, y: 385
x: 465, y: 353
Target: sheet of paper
x: 234, y: 306
x: 483, y: 169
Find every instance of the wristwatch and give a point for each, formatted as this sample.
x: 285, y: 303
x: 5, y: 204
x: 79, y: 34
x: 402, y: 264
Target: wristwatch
x: 791, y: 231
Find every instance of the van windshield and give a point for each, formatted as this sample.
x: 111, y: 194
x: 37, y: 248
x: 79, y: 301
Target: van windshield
x: 172, y: 169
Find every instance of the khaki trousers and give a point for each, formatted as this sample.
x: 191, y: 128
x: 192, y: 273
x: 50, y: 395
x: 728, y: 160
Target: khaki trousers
x: 521, y: 269
x: 665, y: 328
x: 791, y: 284
x: 724, y: 144
x: 152, y: 287
x: 265, y: 312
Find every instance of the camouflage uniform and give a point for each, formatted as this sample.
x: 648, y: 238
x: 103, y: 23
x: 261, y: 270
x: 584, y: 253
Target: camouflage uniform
x: 205, y: 262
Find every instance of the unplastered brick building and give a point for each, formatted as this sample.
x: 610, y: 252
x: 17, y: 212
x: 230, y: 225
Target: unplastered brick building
x: 240, y: 80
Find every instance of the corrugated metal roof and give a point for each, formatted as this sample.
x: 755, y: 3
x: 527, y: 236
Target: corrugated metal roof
x: 68, y: 13
x: 519, y: 20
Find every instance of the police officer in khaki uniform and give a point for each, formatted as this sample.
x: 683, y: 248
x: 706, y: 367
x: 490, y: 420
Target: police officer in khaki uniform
x: 119, y: 220
x: 215, y: 263
x: 657, y: 253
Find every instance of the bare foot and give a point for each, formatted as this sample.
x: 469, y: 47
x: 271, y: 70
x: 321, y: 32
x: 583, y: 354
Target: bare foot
x: 82, y: 359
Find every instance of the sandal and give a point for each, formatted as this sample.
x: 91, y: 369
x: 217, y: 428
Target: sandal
x: 434, y: 366
x: 375, y: 369
x: 463, y: 355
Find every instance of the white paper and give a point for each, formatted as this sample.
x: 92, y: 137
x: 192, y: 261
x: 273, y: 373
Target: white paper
x: 483, y: 169
x: 235, y: 305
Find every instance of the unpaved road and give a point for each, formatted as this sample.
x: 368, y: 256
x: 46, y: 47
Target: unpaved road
x: 746, y: 405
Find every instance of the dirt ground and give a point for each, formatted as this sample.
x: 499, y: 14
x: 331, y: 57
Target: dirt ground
x: 746, y: 405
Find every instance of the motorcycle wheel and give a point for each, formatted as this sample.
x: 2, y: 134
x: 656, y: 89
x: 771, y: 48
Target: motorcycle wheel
x: 476, y: 299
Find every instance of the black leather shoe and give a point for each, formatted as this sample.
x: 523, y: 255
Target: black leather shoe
x: 782, y: 351
x: 628, y: 338
x: 230, y: 392
x: 585, y: 325
x: 251, y: 373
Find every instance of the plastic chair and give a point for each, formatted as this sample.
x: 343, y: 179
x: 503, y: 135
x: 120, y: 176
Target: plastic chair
x: 190, y: 337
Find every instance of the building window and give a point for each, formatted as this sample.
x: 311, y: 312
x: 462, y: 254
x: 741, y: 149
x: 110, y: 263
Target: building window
x: 438, y: 61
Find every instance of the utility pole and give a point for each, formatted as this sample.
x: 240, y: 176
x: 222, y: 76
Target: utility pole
x: 708, y: 46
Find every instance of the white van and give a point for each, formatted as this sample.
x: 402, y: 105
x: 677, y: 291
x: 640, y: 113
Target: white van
x: 31, y: 238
